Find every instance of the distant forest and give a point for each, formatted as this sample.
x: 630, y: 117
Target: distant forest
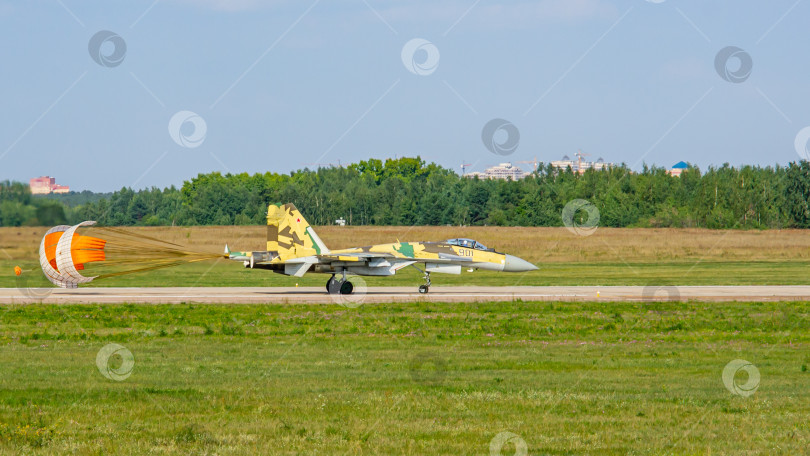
x: 408, y: 191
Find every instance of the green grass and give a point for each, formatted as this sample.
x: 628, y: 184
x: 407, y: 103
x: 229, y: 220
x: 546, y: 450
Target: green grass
x: 568, y: 378
x: 225, y: 273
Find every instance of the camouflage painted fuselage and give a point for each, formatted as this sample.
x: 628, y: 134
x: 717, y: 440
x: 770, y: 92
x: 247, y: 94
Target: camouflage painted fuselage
x: 293, y: 248
x: 437, y: 256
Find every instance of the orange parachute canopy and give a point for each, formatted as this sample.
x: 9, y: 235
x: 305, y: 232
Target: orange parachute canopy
x: 83, y: 249
x: 64, y: 252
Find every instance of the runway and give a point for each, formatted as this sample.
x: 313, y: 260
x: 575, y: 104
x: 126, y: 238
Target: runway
x: 317, y: 295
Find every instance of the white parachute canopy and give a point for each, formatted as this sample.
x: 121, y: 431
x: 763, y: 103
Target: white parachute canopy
x: 108, y: 252
x: 65, y: 274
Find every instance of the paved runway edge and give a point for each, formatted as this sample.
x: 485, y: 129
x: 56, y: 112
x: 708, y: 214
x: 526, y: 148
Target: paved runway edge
x: 317, y: 295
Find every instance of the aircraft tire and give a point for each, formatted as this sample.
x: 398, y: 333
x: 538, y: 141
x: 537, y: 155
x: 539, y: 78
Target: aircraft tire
x: 333, y: 286
x: 423, y: 289
x: 346, y: 288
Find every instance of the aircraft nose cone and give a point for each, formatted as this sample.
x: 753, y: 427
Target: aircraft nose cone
x: 515, y: 264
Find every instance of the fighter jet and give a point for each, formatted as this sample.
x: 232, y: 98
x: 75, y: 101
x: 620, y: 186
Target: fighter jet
x: 294, y: 249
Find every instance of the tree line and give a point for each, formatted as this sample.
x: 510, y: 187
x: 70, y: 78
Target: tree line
x: 408, y: 191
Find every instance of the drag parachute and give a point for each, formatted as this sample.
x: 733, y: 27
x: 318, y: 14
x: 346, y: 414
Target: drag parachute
x: 100, y: 252
x: 62, y: 254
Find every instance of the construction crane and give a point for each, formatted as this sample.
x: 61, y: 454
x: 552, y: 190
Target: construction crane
x: 464, y: 167
x: 579, y: 156
x: 534, y: 163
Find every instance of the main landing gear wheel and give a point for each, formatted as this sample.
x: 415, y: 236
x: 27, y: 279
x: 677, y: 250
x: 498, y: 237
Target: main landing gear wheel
x: 346, y: 287
x: 342, y: 286
x: 331, y: 284
x: 423, y: 289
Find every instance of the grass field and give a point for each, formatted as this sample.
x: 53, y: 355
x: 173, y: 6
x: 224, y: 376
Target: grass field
x: 572, y: 378
x: 563, y: 378
x: 608, y: 257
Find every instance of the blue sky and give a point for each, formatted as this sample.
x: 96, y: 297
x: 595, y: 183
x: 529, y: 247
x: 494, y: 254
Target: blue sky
x: 278, y: 84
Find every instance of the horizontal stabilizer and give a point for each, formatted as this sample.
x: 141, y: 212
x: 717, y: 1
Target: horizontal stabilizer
x: 296, y: 269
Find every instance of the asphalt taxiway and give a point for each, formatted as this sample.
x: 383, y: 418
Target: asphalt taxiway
x: 317, y: 295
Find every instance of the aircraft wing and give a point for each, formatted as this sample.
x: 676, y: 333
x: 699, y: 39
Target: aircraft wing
x: 372, y: 257
x: 353, y: 257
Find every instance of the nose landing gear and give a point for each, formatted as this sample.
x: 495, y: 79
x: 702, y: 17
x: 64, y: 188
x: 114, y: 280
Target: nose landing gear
x: 423, y: 289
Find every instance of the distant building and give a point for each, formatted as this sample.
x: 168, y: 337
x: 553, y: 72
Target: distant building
x: 579, y: 166
x: 677, y: 169
x: 45, y: 185
x: 501, y: 171
x: 564, y: 163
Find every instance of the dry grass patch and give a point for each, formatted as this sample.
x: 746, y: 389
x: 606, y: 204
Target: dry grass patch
x: 549, y: 245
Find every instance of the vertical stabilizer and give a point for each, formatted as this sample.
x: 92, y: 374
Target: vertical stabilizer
x: 289, y: 234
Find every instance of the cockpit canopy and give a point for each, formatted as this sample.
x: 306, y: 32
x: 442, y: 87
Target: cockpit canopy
x: 468, y: 243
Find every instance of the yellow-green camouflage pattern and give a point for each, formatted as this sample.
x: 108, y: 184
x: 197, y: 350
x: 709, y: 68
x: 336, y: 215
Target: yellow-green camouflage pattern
x: 290, y: 237
x: 289, y: 234
x: 425, y: 251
